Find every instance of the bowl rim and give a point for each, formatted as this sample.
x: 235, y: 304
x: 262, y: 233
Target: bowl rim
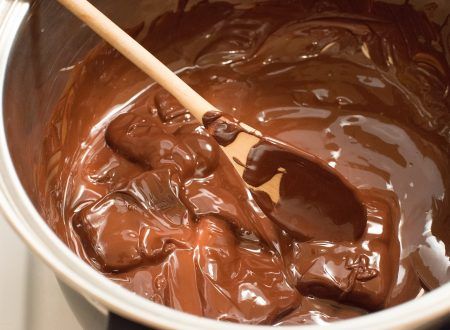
x: 17, y: 208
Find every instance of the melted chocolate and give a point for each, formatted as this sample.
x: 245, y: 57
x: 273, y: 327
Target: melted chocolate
x: 143, y: 193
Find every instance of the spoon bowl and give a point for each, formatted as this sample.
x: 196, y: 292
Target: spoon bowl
x: 314, y: 200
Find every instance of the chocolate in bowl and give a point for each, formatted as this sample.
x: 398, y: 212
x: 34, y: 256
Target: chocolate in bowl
x: 348, y: 84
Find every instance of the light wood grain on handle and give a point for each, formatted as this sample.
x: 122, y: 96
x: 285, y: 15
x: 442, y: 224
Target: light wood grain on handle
x: 141, y: 57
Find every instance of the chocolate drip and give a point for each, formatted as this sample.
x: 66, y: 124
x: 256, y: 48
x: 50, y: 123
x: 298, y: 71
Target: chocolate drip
x: 223, y: 128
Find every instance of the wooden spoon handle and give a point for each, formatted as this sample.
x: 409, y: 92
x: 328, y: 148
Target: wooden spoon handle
x: 141, y: 57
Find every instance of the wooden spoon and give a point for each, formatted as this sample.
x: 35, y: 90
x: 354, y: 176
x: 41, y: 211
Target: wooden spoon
x: 325, y: 194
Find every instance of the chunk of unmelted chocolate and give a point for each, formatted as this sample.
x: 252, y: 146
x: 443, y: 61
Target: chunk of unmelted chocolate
x: 157, y: 191
x: 261, y: 296
x: 346, y: 274
x: 206, y: 152
x: 140, y: 139
x: 113, y: 226
x: 145, y: 220
x: 143, y: 140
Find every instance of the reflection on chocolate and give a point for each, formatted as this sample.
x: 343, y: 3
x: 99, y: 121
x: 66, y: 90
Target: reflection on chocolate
x: 142, y: 192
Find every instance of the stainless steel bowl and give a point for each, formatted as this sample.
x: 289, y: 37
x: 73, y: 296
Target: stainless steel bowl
x: 38, y: 40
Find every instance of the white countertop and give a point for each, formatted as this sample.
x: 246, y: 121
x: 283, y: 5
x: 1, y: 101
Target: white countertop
x: 30, y: 298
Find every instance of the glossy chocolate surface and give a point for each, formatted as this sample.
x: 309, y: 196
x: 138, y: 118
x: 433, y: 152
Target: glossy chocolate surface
x: 145, y: 195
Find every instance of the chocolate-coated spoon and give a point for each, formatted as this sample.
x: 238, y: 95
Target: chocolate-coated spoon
x: 323, y: 205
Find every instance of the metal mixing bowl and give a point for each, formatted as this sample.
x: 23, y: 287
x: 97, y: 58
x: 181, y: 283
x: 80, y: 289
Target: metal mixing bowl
x: 38, y: 39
